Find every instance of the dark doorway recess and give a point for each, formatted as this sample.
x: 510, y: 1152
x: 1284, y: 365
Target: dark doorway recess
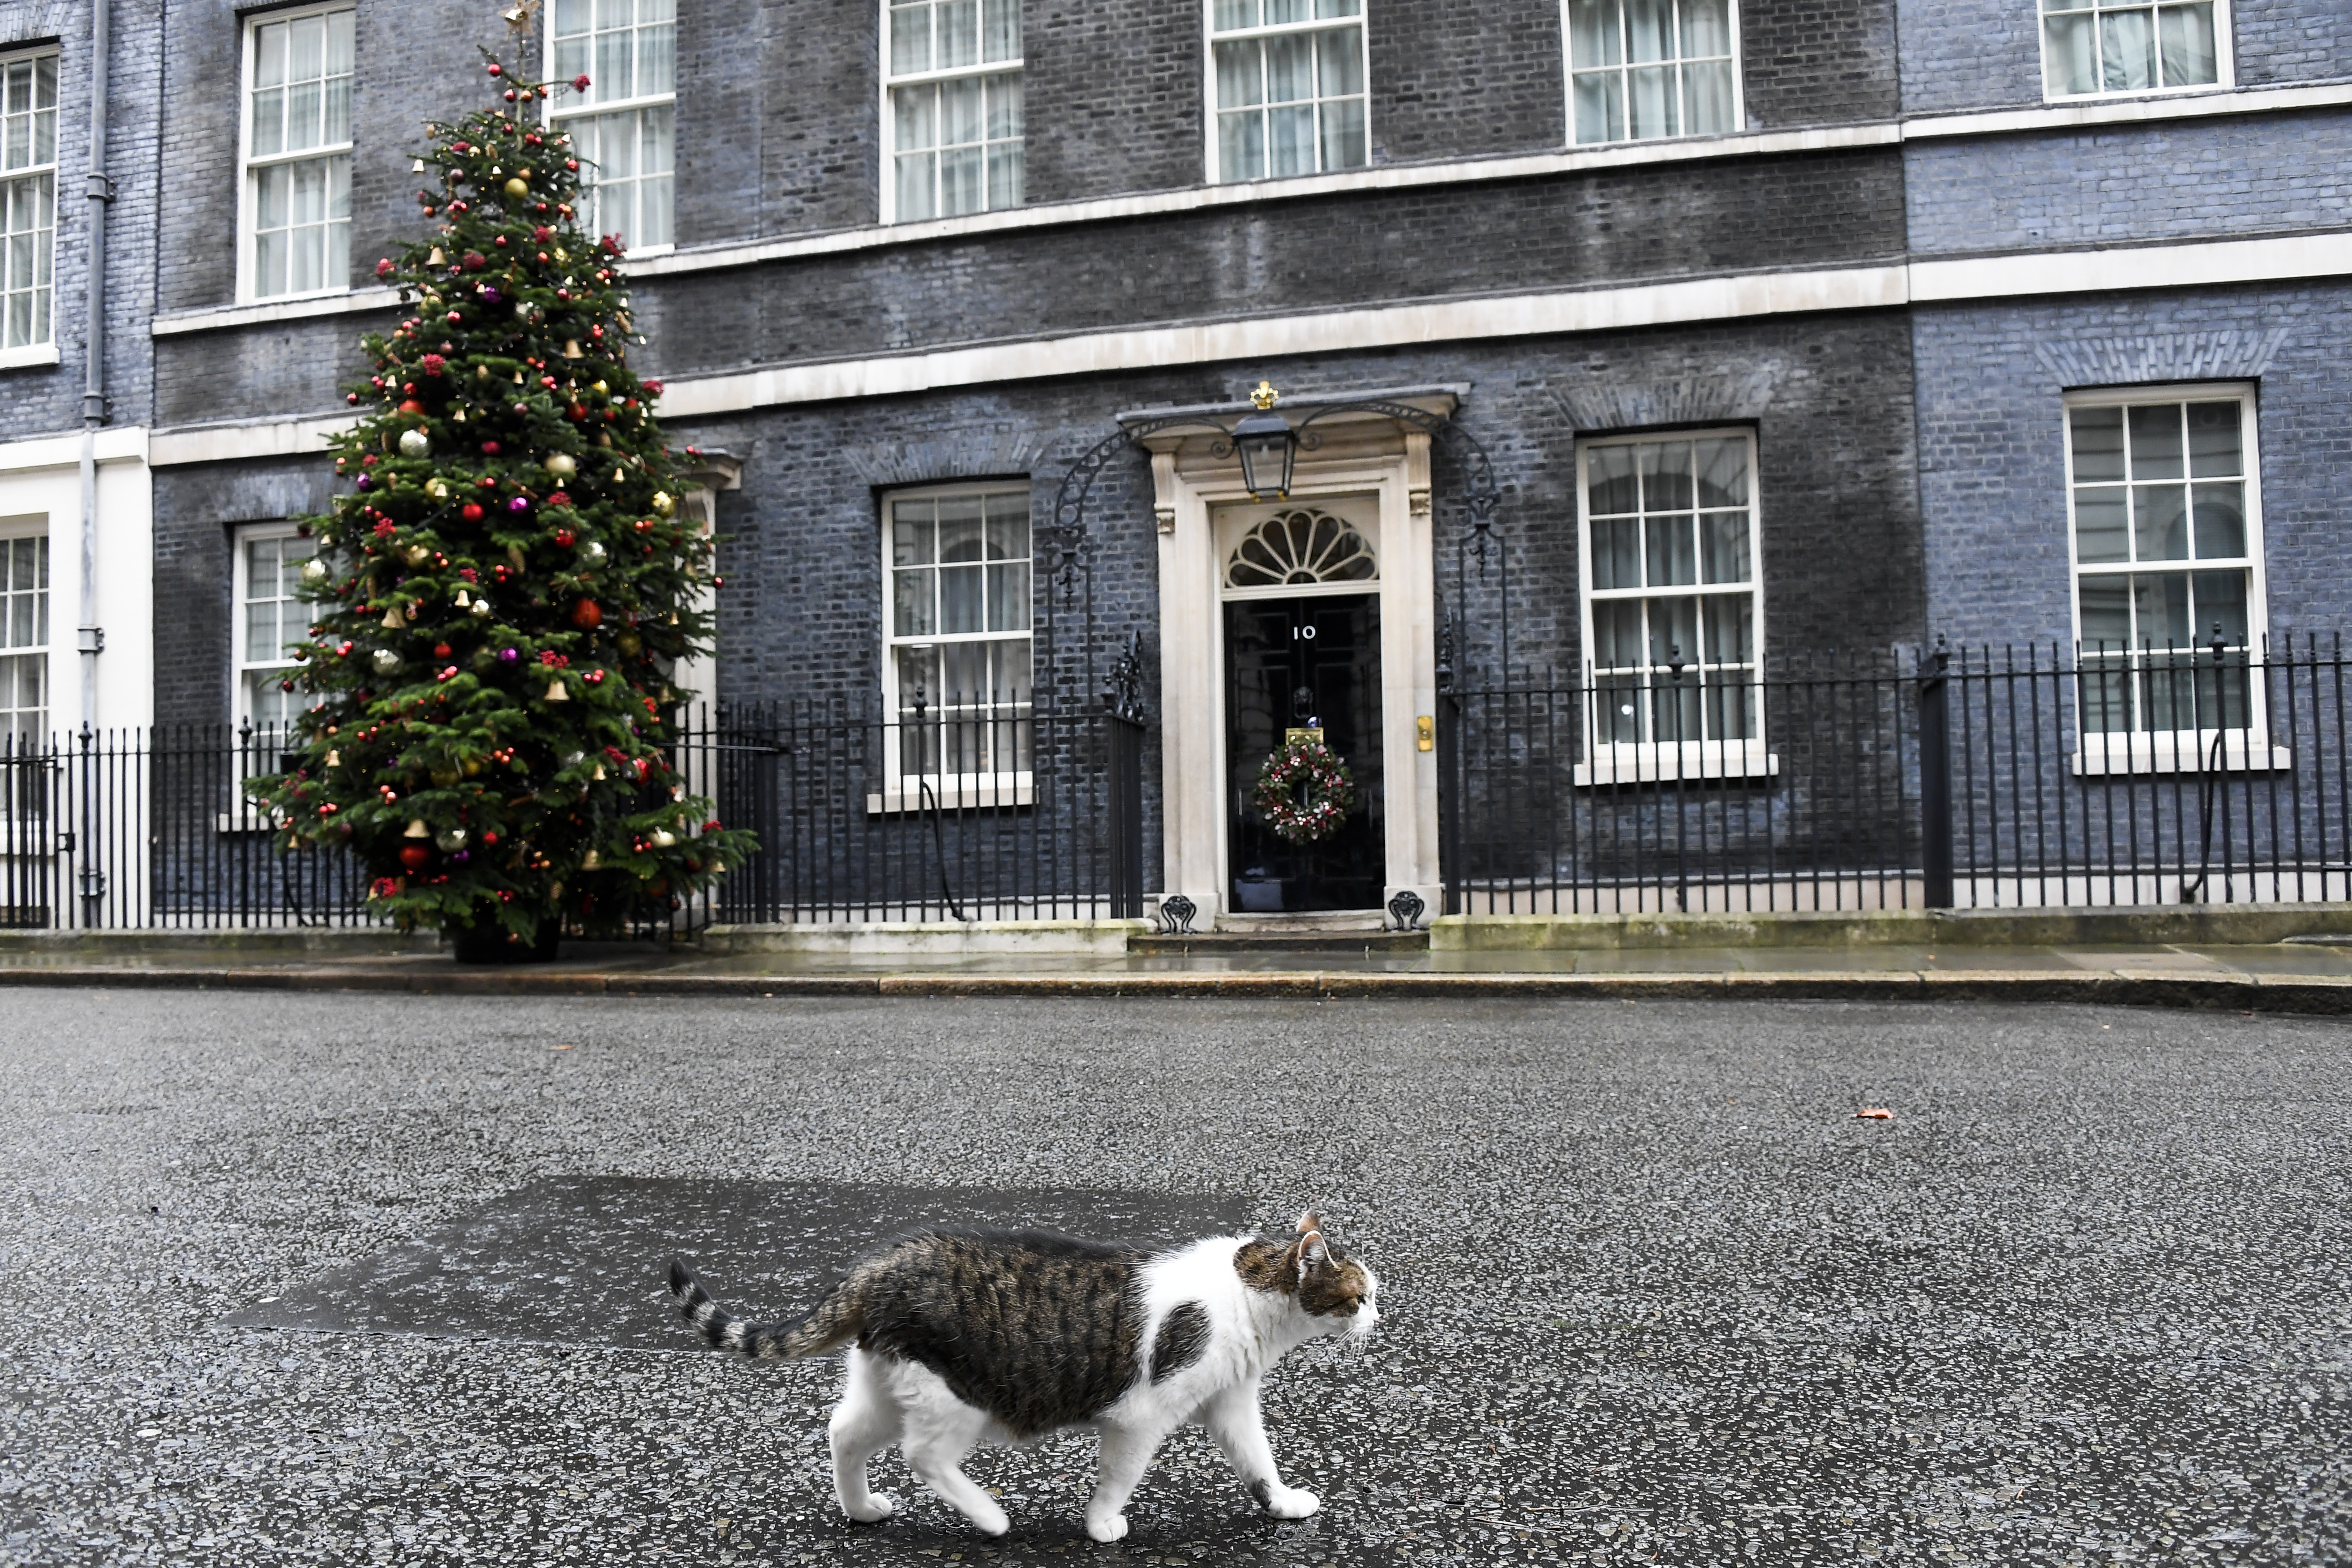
x: 1289, y: 662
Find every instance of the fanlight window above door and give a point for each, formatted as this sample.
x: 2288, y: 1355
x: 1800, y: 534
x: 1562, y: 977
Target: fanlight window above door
x: 1299, y: 548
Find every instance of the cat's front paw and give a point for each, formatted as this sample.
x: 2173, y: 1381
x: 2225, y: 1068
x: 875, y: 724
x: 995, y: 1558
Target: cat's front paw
x: 990, y: 1520
x: 1107, y: 1527
x: 1291, y: 1503
x: 877, y: 1507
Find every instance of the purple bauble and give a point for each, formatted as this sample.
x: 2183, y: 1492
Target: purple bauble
x: 461, y: 856
x: 517, y: 504
x: 366, y: 483
x: 508, y: 656
x: 490, y: 295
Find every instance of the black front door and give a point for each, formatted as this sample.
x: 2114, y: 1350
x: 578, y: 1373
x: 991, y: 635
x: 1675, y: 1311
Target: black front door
x: 1290, y: 662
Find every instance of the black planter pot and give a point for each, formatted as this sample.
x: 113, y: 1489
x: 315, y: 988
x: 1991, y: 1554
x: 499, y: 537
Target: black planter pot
x: 493, y: 944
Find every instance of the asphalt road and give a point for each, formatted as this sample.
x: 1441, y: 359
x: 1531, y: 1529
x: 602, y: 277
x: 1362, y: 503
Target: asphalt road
x: 370, y: 1279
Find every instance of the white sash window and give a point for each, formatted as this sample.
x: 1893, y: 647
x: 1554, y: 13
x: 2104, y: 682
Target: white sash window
x: 297, y: 154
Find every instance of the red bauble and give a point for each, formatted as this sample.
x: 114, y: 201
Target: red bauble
x: 416, y: 857
x: 440, y: 650
x: 470, y: 512
x: 411, y: 406
x: 586, y: 616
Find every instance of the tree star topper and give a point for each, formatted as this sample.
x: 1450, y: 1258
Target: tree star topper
x: 518, y: 20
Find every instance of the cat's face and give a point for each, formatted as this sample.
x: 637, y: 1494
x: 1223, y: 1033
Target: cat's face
x: 1335, y: 1292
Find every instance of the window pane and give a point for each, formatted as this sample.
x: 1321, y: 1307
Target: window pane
x: 1706, y: 100
x: 1232, y: 14
x: 1341, y: 58
x: 1290, y: 67
x: 1611, y: 488
x: 1707, y: 28
x: 1674, y: 632
x: 1290, y: 141
x: 2160, y: 523
x: 2214, y: 449
x: 2106, y: 613
x: 1600, y: 107
x: 1592, y: 33
x: 959, y: 528
x: 2221, y: 601
x: 1241, y: 145
x: 1008, y: 528
x: 1001, y: 30
x: 1239, y: 81
x: 1008, y: 598
x: 2100, y: 533
x: 915, y: 111
x: 2070, y: 51
x: 961, y: 600
x: 910, y: 38
x: 2098, y: 444
x: 2187, y: 38
x: 1343, y: 134
x: 1666, y: 476
x: 1650, y: 102
x: 2221, y: 521
x: 2160, y: 607
x: 1723, y: 547
x: 1649, y: 30
x: 913, y: 613
x: 2127, y: 51
x: 1730, y: 627
x: 1673, y: 555
x: 919, y: 675
x: 1722, y: 472
x: 1003, y: 105
x: 960, y: 117
x: 958, y: 32
x: 2156, y: 451
x: 1617, y: 636
x: 1617, y: 554
x: 1006, y: 175
x: 910, y: 534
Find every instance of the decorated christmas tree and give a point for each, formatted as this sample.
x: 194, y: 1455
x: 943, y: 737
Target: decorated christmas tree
x: 508, y: 583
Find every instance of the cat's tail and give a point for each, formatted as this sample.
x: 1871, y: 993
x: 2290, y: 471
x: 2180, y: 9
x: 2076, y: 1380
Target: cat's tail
x: 832, y: 1323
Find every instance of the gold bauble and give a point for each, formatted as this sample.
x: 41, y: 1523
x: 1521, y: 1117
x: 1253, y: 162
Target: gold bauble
x: 516, y: 190
x: 444, y: 777
x: 561, y: 465
x: 663, y: 504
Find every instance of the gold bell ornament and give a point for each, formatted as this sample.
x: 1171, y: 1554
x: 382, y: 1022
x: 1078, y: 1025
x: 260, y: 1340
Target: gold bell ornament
x: 572, y: 349
x: 437, y: 258
x: 462, y: 599
x: 555, y: 692
x: 416, y: 829
x: 590, y: 861
x: 392, y: 619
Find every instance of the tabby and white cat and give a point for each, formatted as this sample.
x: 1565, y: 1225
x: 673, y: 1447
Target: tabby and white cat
x: 959, y: 1337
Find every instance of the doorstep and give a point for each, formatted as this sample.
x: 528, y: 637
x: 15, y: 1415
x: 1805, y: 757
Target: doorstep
x: 2119, y: 926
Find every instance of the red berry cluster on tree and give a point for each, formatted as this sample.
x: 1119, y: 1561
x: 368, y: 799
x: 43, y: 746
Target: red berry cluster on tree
x: 506, y: 587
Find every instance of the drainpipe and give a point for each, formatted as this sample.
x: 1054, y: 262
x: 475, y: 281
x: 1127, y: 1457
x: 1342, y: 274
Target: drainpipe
x: 100, y: 191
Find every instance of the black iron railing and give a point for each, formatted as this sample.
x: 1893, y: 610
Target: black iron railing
x: 954, y: 808
x: 2010, y: 778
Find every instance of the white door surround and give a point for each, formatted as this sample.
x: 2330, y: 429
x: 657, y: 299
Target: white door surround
x: 1370, y: 455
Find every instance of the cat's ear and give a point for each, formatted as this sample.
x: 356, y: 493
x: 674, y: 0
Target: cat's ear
x: 1312, y: 1253
x: 1309, y: 1223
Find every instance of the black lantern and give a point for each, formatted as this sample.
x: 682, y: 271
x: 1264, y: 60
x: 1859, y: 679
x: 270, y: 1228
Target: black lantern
x: 1266, y: 447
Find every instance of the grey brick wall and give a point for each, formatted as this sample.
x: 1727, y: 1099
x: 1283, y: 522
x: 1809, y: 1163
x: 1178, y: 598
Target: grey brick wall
x: 1453, y: 79
x: 1816, y: 64
x: 47, y: 399
x: 1986, y: 54
x: 1992, y: 461
x: 197, y: 510
x: 2281, y: 41
x: 1112, y: 96
x: 2184, y: 180
x: 800, y: 611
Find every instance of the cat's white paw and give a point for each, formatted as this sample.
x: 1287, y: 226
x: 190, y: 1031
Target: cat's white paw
x: 877, y: 1507
x: 1107, y: 1528
x: 1291, y: 1503
x: 991, y: 1523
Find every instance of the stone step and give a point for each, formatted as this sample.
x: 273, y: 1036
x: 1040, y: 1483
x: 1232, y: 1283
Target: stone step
x: 1293, y: 938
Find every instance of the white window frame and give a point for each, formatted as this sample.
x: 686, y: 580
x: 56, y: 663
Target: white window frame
x: 12, y: 529
x: 903, y: 790
x: 2225, y: 60
x: 2243, y: 747
x: 559, y: 109
x: 1738, y: 84
x: 241, y: 666
x: 1211, y: 37
x: 41, y: 349
x: 1016, y: 65
x: 249, y: 208
x: 1654, y: 761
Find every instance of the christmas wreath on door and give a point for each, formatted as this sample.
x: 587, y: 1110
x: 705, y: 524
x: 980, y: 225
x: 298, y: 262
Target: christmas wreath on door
x: 1304, y: 791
